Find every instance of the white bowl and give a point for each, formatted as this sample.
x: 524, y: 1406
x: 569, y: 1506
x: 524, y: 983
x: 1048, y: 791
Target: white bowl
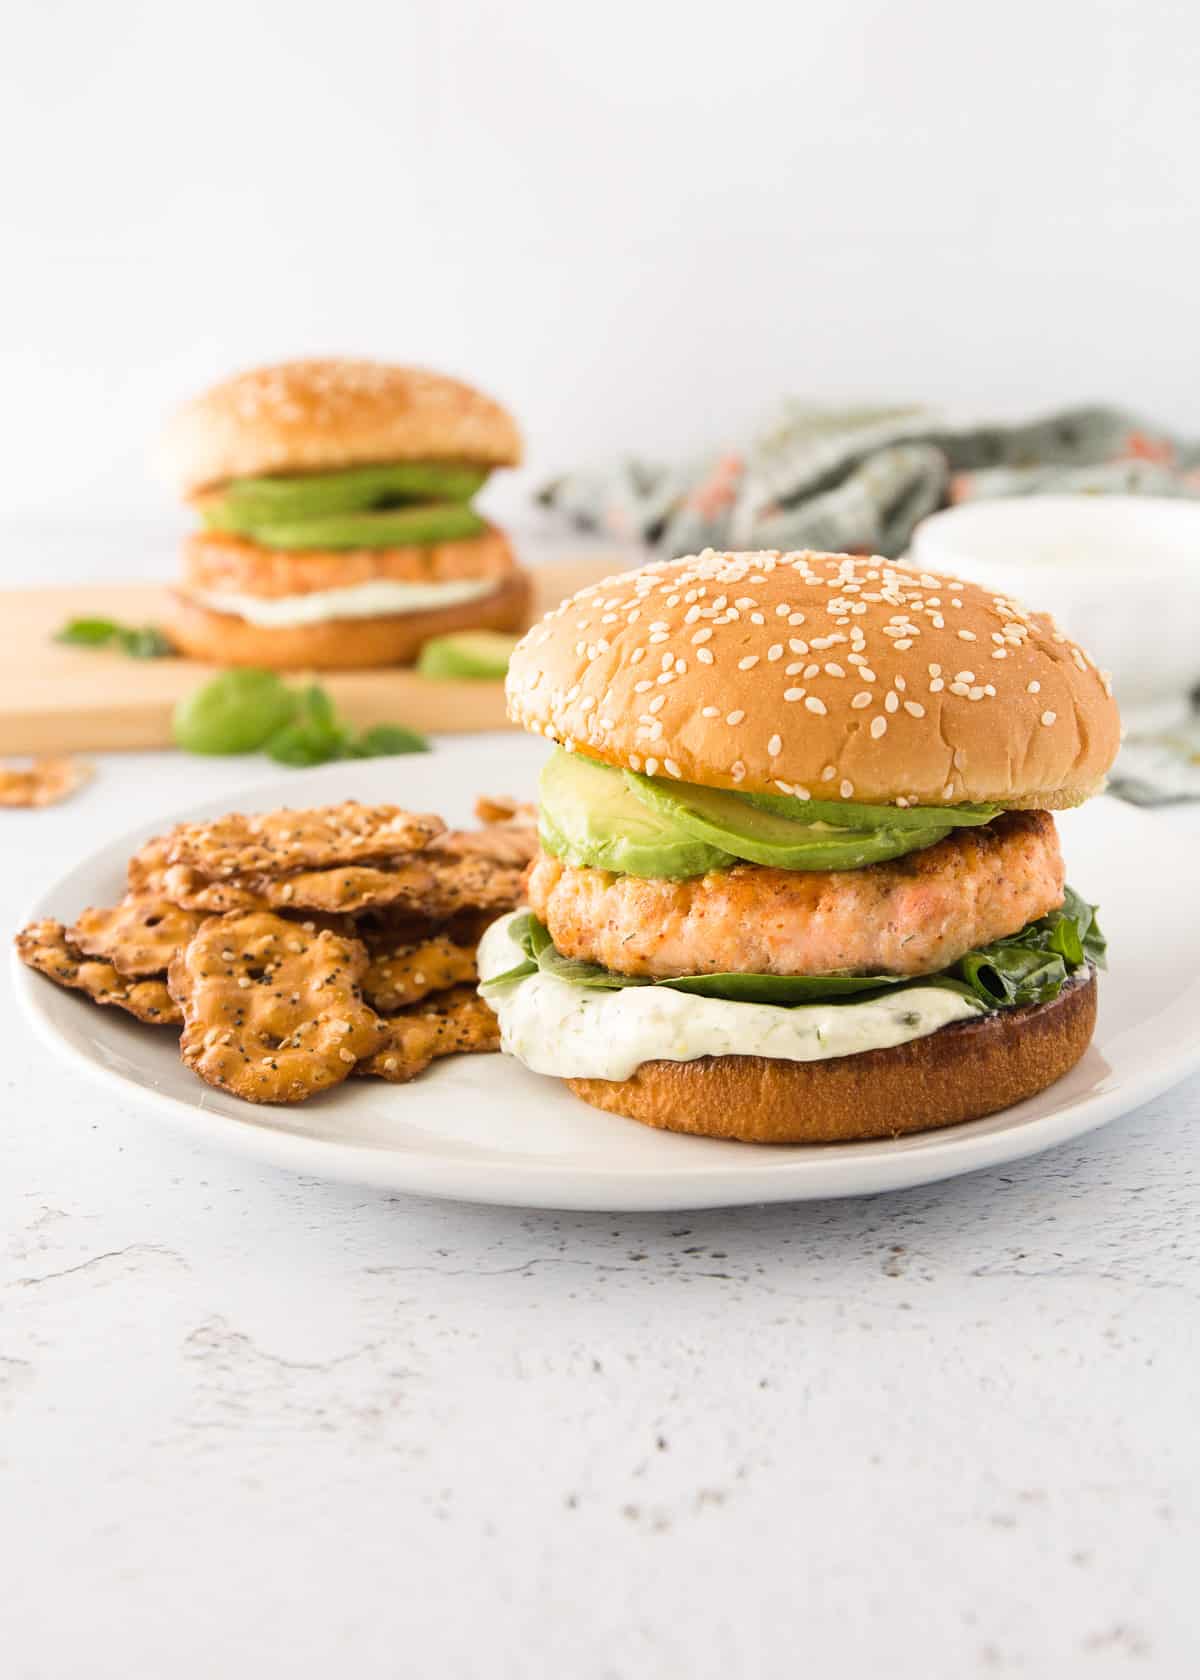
x: 1120, y: 573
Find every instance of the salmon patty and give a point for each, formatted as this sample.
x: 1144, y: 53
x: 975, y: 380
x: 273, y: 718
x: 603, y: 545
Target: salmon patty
x: 914, y: 915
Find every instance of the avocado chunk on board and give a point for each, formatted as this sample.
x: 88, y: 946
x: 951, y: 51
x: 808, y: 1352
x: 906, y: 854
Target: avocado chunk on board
x: 477, y: 655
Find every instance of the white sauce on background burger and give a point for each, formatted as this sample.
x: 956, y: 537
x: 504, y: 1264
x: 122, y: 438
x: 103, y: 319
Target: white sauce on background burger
x: 581, y: 1032
x: 379, y: 599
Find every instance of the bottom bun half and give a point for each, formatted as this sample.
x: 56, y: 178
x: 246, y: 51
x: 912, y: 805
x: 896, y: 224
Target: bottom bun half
x: 960, y: 1072
x: 341, y: 644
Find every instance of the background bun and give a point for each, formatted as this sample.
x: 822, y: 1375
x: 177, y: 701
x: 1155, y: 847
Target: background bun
x: 309, y: 416
x: 958, y: 1073
x: 822, y: 675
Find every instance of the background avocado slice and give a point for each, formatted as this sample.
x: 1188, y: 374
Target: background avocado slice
x: 314, y: 495
x: 385, y: 528
x: 482, y: 654
x: 760, y: 836
x: 592, y: 819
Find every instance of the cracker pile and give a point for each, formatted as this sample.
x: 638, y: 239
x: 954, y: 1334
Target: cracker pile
x: 296, y: 948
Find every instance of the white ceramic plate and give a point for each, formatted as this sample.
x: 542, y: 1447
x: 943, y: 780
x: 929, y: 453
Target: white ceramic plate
x: 482, y: 1128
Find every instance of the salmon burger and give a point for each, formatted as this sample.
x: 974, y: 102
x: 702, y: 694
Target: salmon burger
x: 336, y: 525
x: 799, y: 878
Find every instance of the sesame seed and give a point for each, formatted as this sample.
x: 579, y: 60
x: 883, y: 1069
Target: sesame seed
x: 1048, y: 718
x: 774, y: 746
x: 957, y: 688
x: 704, y: 655
x: 935, y: 670
x: 964, y: 676
x: 793, y: 694
x: 735, y: 717
x: 748, y: 664
x: 937, y: 685
x: 828, y: 773
x: 642, y: 686
x: 966, y: 635
x: 861, y: 699
x: 902, y: 646
x: 815, y: 705
x: 867, y: 675
x: 651, y: 767
x: 891, y: 702
x: 878, y: 727
x: 658, y: 702
x: 775, y: 651
x: 795, y: 645
x: 834, y: 670
x: 672, y: 768
x: 948, y: 791
x: 812, y: 670
x: 710, y: 711
x: 847, y: 790
x: 914, y: 708
x: 704, y: 634
x: 737, y: 770
x: 1034, y: 687
x: 659, y: 636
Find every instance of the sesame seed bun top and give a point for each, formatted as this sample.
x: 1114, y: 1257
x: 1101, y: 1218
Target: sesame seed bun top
x: 823, y: 676
x: 323, y: 414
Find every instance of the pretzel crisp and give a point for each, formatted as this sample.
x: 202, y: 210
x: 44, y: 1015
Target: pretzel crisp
x: 501, y: 809
x: 433, y: 885
x: 46, y: 946
x: 45, y: 782
x: 280, y: 842
x: 511, y: 845
x: 138, y: 937
x: 445, y: 1024
x: 272, y: 1012
x: 403, y: 974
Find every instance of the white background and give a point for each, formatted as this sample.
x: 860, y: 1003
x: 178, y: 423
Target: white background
x: 638, y: 223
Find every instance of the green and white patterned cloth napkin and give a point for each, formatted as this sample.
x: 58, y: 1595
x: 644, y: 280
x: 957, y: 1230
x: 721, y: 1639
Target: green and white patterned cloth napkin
x: 858, y: 481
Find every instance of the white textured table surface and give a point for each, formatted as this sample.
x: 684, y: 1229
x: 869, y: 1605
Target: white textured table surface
x: 252, y: 1424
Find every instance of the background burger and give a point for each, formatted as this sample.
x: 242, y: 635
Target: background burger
x: 337, y: 526
x: 799, y: 879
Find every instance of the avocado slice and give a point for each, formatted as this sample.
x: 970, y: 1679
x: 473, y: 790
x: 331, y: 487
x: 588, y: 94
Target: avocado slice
x: 262, y: 501
x: 843, y: 813
x: 381, y: 528
x: 474, y: 654
x: 592, y: 819
x: 725, y: 820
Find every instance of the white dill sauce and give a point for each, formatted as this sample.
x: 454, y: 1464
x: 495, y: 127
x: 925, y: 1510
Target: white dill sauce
x: 380, y: 598
x: 580, y: 1032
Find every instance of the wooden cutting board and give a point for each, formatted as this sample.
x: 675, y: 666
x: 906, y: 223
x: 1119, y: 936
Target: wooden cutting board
x: 69, y: 699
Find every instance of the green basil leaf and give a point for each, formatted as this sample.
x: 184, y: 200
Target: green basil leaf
x: 302, y: 745
x: 386, y: 739
x: 235, y: 712
x: 147, y: 642
x: 87, y: 632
